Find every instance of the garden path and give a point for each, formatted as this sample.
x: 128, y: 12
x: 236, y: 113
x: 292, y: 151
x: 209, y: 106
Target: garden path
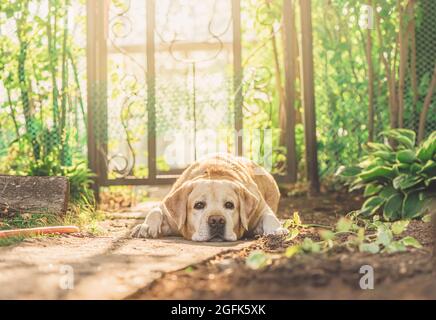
x: 111, y: 266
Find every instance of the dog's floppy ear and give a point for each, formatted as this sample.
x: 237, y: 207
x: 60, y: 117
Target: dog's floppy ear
x: 247, y: 205
x: 176, y: 203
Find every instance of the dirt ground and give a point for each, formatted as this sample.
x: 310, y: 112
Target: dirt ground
x: 334, y: 275
x: 114, y: 266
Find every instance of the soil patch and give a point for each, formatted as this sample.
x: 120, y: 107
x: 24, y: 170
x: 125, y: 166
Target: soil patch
x: 334, y: 275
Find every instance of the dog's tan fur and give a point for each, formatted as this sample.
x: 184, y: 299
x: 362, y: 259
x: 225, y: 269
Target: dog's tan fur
x: 216, y: 178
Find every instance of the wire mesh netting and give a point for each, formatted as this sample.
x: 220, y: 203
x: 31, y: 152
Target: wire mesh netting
x: 42, y: 88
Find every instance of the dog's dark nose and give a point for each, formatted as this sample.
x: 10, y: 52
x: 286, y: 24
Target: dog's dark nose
x: 216, y: 224
x: 216, y: 221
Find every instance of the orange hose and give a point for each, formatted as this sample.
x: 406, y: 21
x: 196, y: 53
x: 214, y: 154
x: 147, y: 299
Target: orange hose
x: 38, y: 231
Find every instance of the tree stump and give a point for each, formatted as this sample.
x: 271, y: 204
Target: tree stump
x: 19, y: 194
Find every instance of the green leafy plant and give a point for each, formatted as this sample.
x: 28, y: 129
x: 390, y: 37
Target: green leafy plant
x: 365, y: 235
x: 397, y: 181
x: 351, y: 232
x: 257, y: 260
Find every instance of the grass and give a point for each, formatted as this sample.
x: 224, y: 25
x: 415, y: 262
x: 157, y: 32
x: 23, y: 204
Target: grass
x: 10, y: 241
x: 81, y: 214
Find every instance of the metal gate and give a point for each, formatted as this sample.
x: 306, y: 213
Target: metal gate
x: 171, y: 81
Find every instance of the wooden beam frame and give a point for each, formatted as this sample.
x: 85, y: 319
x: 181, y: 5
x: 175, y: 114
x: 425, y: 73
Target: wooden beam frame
x: 290, y: 75
x: 237, y: 69
x: 151, y: 89
x: 308, y: 95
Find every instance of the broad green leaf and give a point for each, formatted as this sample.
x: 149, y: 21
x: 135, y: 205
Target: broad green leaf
x: 384, y: 235
x: 293, y: 234
x: 410, y: 134
x: 296, y: 218
x: 348, y: 171
x: 401, y: 168
x: 326, y: 234
x: 392, y: 209
x: 306, y: 245
x: 309, y: 245
x: 406, y: 156
x: 415, y: 168
x: 411, y: 242
x: 257, y: 260
x: 387, y: 192
x: 385, y: 155
x: 369, y: 247
x: 361, y: 235
x: 404, y: 181
x: 427, y: 149
x: 399, y: 227
x: 411, y: 181
x: 373, y: 204
x: 403, y: 139
x: 412, y: 205
x: 426, y: 218
x: 372, y: 189
x: 425, y: 152
x: 429, y: 181
x: 375, y: 146
x: 377, y: 173
x: 356, y: 185
x: 395, y: 246
x: 343, y: 225
x: 429, y: 168
x: 291, y: 251
x: 396, y: 182
x: 287, y: 223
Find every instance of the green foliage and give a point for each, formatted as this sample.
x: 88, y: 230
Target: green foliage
x: 398, y: 180
x: 79, y: 176
x: 42, y: 117
x: 257, y: 260
x: 364, y: 235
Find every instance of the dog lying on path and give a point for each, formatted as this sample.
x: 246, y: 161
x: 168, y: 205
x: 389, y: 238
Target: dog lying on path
x: 221, y: 198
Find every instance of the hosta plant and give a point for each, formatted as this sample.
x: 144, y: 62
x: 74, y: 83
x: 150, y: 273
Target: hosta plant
x: 399, y: 182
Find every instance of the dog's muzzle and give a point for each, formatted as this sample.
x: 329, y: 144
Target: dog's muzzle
x: 216, y: 225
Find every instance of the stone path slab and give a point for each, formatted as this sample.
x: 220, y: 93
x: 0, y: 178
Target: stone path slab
x: 105, y: 267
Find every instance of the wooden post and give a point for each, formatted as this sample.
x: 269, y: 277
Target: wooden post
x: 102, y: 97
x: 237, y: 69
x: 151, y: 90
x: 91, y: 58
x: 96, y: 50
x: 308, y: 96
x: 291, y: 155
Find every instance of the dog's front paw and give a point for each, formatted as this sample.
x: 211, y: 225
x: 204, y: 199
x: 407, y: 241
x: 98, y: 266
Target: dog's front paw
x: 151, y: 228
x: 145, y: 231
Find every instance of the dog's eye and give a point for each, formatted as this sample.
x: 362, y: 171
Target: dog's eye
x: 229, y: 205
x: 199, y: 205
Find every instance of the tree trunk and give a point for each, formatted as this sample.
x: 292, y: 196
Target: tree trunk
x: 33, y: 195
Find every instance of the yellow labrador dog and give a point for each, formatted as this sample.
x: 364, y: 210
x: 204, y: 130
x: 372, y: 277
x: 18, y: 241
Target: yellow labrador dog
x: 221, y: 198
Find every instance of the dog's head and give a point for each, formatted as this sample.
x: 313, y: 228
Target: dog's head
x: 211, y: 210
